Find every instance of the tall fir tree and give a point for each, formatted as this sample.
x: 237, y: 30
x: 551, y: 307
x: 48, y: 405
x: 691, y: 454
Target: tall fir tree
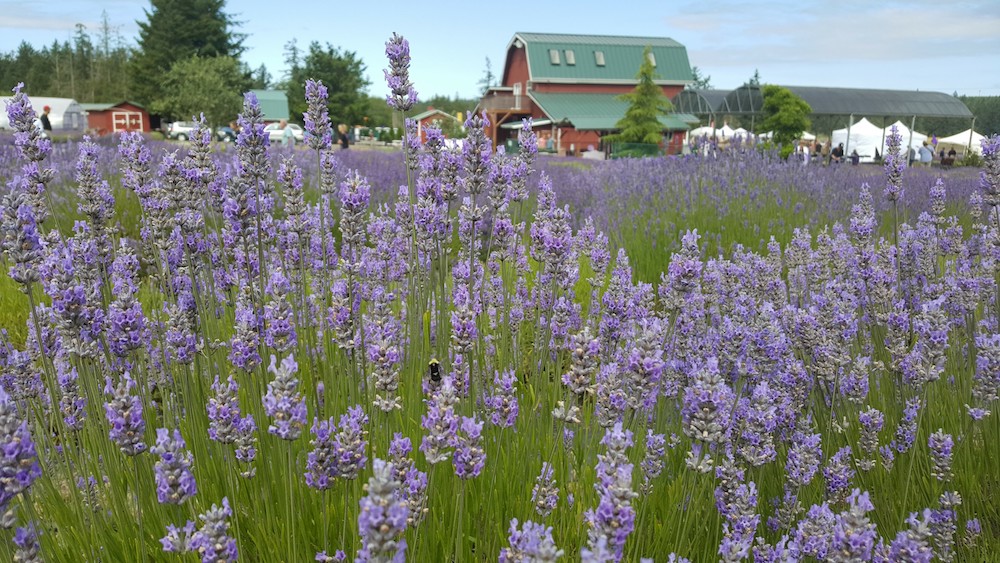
x: 647, y: 103
x: 176, y: 30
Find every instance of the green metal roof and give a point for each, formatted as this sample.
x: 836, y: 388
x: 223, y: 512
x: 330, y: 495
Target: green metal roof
x: 106, y: 106
x: 622, y: 57
x: 597, y: 112
x: 273, y: 104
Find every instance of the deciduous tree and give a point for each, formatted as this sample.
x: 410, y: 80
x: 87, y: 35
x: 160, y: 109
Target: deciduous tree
x: 202, y: 84
x: 785, y: 115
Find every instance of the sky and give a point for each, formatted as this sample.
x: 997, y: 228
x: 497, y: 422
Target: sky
x: 937, y: 45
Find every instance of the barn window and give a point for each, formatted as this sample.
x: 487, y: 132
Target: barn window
x: 554, y: 56
x: 599, y: 58
x: 570, y: 57
x: 652, y: 58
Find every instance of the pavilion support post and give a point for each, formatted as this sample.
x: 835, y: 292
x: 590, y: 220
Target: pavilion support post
x: 882, y: 146
x: 909, y: 144
x: 972, y: 128
x: 850, y: 123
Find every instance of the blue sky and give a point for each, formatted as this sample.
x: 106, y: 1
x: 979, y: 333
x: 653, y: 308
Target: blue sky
x: 939, y: 45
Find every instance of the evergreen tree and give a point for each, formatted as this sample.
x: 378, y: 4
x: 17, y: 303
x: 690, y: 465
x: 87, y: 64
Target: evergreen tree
x: 176, y: 30
x: 647, y: 103
x: 785, y: 115
x: 700, y: 82
x: 488, y: 79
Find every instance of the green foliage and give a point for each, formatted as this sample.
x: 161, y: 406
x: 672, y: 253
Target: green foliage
x: 202, y: 84
x: 647, y: 103
x: 987, y: 112
x: 700, y: 82
x: 88, y: 69
x: 488, y: 80
x: 176, y: 30
x: 785, y: 114
x: 342, y: 72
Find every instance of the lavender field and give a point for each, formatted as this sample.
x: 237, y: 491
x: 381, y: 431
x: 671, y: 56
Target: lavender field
x: 273, y: 354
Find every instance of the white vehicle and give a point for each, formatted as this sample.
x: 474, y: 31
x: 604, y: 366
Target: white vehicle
x: 274, y: 130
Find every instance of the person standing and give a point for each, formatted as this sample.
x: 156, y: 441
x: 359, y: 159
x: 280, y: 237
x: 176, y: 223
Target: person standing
x: 926, y: 155
x: 342, y: 136
x: 46, y: 124
x: 287, y: 135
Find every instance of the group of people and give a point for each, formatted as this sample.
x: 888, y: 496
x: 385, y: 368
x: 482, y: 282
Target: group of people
x: 825, y: 153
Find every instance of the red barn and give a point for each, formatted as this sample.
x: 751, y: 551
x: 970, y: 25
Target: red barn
x: 104, y: 119
x: 569, y: 85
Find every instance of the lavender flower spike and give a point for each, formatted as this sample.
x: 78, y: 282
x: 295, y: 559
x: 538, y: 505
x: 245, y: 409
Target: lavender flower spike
x: 533, y: 542
x: 283, y: 402
x: 382, y: 518
x: 212, y: 541
x: 317, y: 117
x: 402, y: 94
x: 174, y: 480
x: 18, y: 461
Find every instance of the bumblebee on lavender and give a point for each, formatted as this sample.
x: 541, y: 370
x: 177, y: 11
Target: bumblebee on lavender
x: 434, y: 370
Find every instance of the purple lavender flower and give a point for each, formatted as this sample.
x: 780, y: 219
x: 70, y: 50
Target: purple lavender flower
x: 212, y: 541
x: 402, y: 95
x: 174, y: 480
x: 413, y: 482
x: 124, y: 414
x: 126, y: 322
x: 533, y: 542
x: 990, y: 176
x: 912, y: 545
x: 652, y: 461
x: 973, y: 529
x: 283, y: 402
x: 382, y: 518
x: 854, y: 534
x: 319, y: 133
x: 440, y: 422
x: 894, y: 163
x: 502, y: 405
x: 838, y: 474
x: 224, y: 411
x: 941, y: 446
x: 21, y: 239
x: 321, y: 467
x: 906, y: 431
x: 72, y: 404
x: 545, y: 494
x: 18, y: 460
x: 26, y: 541
x: 613, y: 519
x: 177, y: 539
x: 350, y: 443
x: 469, y: 455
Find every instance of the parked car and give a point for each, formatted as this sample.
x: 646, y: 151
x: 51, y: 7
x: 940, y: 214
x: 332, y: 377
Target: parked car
x: 225, y: 135
x: 274, y: 129
x: 180, y: 130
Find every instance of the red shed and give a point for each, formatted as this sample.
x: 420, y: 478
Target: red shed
x: 104, y: 119
x: 436, y: 118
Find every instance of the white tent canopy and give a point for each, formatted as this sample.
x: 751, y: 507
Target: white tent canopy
x: 864, y: 137
x: 65, y: 114
x: 805, y: 136
x: 961, y: 140
x: 914, y: 143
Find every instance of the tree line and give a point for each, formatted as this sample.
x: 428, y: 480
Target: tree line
x: 187, y: 60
